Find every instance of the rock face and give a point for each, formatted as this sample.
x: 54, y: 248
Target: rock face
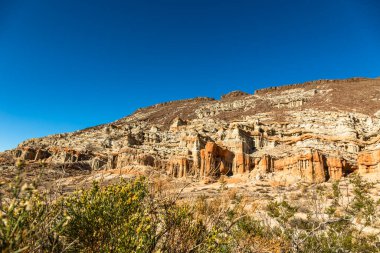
x: 369, y: 161
x: 309, y: 165
x: 215, y: 161
x: 315, y: 131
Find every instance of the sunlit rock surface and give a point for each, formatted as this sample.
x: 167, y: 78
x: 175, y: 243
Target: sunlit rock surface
x: 316, y: 131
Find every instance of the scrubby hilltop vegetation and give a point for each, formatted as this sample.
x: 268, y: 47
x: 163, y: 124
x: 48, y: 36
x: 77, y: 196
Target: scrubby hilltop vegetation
x: 140, y: 216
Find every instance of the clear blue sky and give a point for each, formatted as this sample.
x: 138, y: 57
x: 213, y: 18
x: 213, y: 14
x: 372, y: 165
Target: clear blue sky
x: 66, y: 65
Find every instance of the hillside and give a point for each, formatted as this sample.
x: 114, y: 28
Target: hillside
x: 313, y: 132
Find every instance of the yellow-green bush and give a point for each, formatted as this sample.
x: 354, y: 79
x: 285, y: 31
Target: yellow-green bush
x: 29, y: 223
x: 109, y: 219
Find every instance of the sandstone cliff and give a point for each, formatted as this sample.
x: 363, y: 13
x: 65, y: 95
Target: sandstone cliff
x: 315, y: 131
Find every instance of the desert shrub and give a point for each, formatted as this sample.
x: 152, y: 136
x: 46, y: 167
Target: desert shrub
x: 318, y: 233
x: 281, y: 211
x: 28, y: 222
x: 334, y: 236
x: 180, y: 230
x: 363, y: 205
x: 109, y: 219
x: 336, y: 195
x: 205, y: 226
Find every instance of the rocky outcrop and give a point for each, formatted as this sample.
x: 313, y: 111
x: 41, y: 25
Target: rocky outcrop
x: 179, y: 167
x: 215, y: 161
x: 234, y: 94
x: 369, y: 162
x: 338, y: 167
x: 308, y: 165
x: 316, y: 131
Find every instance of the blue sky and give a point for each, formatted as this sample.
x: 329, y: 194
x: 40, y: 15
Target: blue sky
x: 67, y: 65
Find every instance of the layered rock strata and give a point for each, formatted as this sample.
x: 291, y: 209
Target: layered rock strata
x: 316, y: 131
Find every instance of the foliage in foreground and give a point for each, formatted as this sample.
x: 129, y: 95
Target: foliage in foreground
x: 128, y: 217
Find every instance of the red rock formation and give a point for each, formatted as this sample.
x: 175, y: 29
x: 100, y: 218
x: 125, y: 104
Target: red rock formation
x: 336, y: 167
x: 131, y: 156
x: 265, y: 164
x: 369, y: 162
x: 215, y: 161
x: 315, y: 172
x: 244, y: 163
x: 179, y: 167
x: 308, y: 166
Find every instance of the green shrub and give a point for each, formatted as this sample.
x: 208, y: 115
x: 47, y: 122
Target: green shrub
x: 318, y: 233
x: 363, y: 205
x: 28, y: 223
x: 109, y: 219
x: 281, y: 211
